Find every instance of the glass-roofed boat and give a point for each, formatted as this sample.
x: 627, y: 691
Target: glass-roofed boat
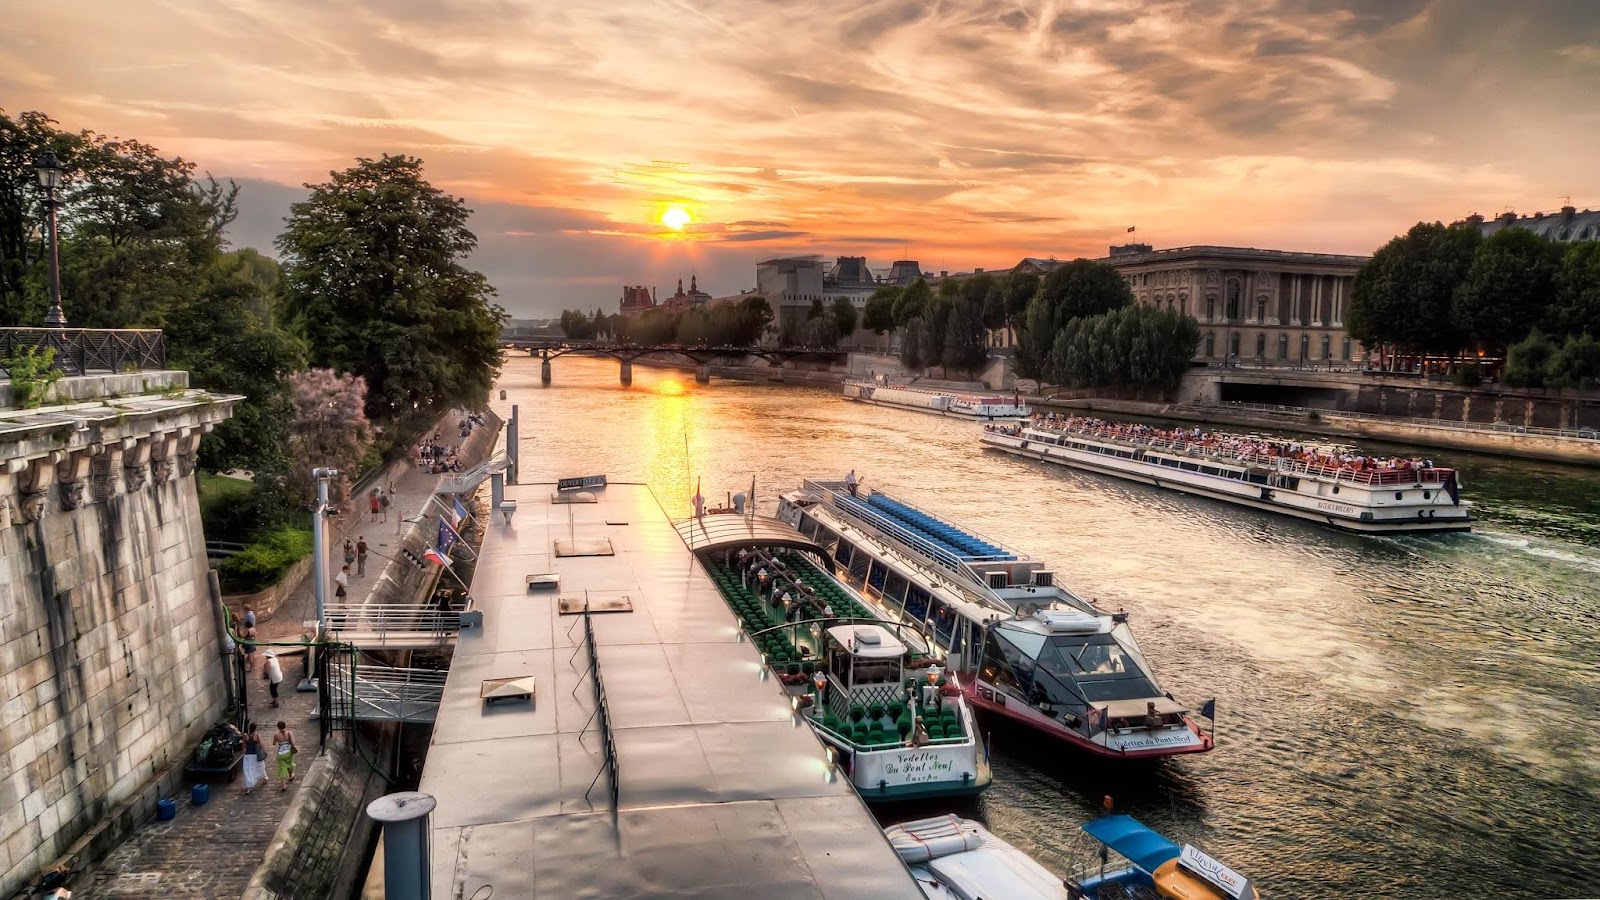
x: 873, y: 689
x: 1119, y: 858
x: 1023, y: 646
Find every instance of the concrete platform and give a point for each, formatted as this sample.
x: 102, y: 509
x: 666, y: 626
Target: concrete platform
x: 722, y: 790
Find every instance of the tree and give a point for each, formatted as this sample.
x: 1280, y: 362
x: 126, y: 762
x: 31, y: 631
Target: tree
x: 913, y: 338
x: 844, y: 316
x: 912, y: 301
x: 965, y: 343
x: 936, y: 319
x: 578, y: 326
x: 1509, y: 287
x: 1527, y: 360
x: 994, y: 307
x: 1576, y: 309
x: 1402, y: 295
x: 1020, y: 288
x: 878, y: 317
x: 329, y: 428
x: 22, y: 247
x: 373, y: 276
x: 820, y: 331
x: 228, y: 345
x: 1575, y: 365
x: 1080, y: 288
x: 1135, y: 345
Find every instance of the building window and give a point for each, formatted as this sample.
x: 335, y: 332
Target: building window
x: 1233, y: 299
x: 1261, y: 309
x: 1211, y: 344
x: 1211, y: 307
x: 1305, y: 346
x: 1233, y: 343
x: 1283, y: 346
x: 1261, y: 345
x: 1147, y: 279
x: 1345, y: 351
x: 1183, y: 303
x: 1327, y: 347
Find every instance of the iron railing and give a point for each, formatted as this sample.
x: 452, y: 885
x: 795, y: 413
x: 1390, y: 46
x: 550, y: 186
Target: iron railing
x: 390, y: 620
x: 602, y: 713
x: 81, y: 351
x: 383, y: 693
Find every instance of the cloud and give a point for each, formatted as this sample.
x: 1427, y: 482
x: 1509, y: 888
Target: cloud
x: 967, y: 131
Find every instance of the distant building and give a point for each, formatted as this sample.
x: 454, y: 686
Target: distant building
x: 638, y: 300
x: 903, y: 271
x: 792, y: 285
x: 694, y: 298
x: 1569, y: 226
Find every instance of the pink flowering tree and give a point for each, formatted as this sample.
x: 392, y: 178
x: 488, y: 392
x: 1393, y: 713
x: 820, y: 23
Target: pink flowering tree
x: 329, y: 429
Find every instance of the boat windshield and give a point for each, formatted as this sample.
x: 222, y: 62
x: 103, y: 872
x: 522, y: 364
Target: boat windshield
x: 1102, y: 669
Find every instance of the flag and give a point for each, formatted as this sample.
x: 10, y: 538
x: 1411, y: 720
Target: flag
x: 458, y: 509
x: 1130, y: 228
x: 450, y: 513
x: 1209, y: 709
x: 447, y: 535
x: 699, y: 501
x: 435, y: 557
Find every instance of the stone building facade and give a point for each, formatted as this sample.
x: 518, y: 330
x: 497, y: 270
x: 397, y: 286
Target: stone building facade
x: 110, y: 666
x: 1255, y: 307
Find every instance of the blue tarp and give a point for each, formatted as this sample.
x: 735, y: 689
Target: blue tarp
x: 1125, y: 835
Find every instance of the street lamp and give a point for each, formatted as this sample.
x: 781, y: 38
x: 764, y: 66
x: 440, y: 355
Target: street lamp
x: 48, y: 169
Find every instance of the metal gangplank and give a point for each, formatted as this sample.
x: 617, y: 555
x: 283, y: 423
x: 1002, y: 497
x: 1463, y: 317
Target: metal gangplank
x: 374, y: 693
x: 374, y: 626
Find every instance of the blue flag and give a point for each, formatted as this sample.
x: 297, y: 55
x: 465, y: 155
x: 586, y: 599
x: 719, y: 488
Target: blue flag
x: 1209, y: 709
x: 446, y: 536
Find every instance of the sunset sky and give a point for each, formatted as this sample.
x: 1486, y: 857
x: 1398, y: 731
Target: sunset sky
x: 960, y: 132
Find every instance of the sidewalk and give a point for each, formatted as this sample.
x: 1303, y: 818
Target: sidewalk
x: 213, y: 850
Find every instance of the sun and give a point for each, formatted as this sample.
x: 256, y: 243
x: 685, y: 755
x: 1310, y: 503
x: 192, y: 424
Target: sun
x: 676, y: 217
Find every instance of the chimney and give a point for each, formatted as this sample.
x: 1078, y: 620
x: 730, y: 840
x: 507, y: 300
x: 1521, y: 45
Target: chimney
x: 1474, y: 220
x: 977, y: 270
x: 1567, y: 212
x: 652, y: 294
x: 943, y: 273
x: 1507, y: 217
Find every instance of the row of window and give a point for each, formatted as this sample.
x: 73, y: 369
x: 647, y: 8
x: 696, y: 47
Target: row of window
x: 1283, y: 346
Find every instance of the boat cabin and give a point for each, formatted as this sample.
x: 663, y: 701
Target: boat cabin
x: 865, y: 657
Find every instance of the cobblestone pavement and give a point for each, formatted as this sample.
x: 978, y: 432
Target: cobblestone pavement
x: 213, y: 850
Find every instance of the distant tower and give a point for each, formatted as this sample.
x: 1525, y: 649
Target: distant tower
x: 692, y: 288
x: 680, y: 287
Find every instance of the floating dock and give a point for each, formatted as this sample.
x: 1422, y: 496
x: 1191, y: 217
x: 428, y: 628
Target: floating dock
x: 715, y: 788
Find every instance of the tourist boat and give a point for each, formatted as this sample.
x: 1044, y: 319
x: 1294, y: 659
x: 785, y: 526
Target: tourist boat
x: 1147, y: 865
x: 986, y: 407
x: 1405, y: 498
x: 1023, y: 646
x: 864, y: 684
x: 958, y: 859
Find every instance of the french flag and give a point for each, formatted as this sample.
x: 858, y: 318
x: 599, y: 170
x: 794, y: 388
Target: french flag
x: 434, y: 556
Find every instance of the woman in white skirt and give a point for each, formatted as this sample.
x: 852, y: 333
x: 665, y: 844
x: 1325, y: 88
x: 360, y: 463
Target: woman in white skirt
x: 255, y: 766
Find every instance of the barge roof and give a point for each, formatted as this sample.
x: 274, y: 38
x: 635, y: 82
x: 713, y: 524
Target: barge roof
x: 722, y: 792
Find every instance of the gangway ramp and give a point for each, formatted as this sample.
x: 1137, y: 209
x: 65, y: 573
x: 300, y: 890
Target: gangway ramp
x: 366, y: 692
x: 373, y: 626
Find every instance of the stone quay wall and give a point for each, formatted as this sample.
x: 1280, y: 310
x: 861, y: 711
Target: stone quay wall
x: 110, y: 667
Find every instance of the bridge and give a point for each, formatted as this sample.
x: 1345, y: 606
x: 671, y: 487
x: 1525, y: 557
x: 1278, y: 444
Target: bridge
x: 626, y: 353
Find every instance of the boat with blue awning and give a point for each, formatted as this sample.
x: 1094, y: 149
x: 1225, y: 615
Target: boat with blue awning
x: 1149, y: 866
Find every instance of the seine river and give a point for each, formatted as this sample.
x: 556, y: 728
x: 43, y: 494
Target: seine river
x: 1400, y: 717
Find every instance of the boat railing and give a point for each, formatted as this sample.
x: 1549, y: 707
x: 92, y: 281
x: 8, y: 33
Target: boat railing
x: 1284, y: 465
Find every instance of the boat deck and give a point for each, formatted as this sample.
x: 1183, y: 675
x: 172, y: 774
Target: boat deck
x: 722, y: 791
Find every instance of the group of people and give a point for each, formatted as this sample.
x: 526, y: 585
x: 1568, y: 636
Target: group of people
x: 1233, y: 445
x: 282, y: 748
x: 434, y: 456
x: 467, y: 423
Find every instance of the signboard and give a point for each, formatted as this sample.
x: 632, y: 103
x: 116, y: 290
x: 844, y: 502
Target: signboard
x: 581, y: 483
x: 1214, y: 873
x: 913, y: 766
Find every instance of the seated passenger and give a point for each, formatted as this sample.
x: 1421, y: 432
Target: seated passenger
x: 1152, y: 719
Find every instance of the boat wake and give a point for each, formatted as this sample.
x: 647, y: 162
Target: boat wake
x: 1588, y: 562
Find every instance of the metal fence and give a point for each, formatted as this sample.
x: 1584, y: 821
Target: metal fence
x: 82, y: 351
x: 602, y: 712
x: 383, y: 693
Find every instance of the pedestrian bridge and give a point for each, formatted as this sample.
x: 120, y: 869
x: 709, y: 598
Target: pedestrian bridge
x: 373, y: 693
x: 373, y: 626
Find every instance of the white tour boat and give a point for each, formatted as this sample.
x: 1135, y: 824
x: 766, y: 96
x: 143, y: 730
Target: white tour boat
x: 1023, y: 646
x: 986, y: 407
x: 958, y: 859
x: 871, y: 689
x: 1393, y: 497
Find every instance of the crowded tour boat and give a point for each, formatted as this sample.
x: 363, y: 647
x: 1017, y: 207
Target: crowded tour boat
x: 873, y: 690
x: 958, y: 859
x: 1122, y: 859
x: 1346, y: 490
x: 1020, y: 645
x: 986, y: 407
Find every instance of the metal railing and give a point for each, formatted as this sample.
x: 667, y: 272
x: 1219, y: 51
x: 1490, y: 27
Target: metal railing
x: 1582, y: 434
x: 602, y: 712
x: 389, y: 620
x: 382, y: 693
x: 81, y: 351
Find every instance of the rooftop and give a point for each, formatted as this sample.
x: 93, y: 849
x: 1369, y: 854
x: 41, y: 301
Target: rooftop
x: 722, y: 792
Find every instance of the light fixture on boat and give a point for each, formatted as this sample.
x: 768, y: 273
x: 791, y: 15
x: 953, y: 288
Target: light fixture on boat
x: 820, y: 680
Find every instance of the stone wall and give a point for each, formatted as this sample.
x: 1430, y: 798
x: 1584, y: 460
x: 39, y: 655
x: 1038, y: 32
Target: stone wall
x: 266, y: 601
x: 109, y: 658
x: 322, y: 842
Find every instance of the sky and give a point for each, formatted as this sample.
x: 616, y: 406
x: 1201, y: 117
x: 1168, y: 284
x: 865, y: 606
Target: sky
x: 959, y: 133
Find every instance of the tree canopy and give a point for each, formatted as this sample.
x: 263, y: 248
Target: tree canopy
x: 1134, y: 345
x: 373, y: 276
x: 965, y: 346
x: 1576, y: 309
x: 1508, y: 288
x: 1403, y: 294
x: 1078, y: 289
x: 912, y: 302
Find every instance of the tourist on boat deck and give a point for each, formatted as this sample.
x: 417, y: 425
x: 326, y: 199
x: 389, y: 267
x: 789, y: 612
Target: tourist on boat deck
x: 850, y: 482
x: 919, y: 733
x: 1152, y: 719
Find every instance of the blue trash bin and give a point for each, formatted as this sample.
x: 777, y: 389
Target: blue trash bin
x: 166, y: 810
x: 199, y: 794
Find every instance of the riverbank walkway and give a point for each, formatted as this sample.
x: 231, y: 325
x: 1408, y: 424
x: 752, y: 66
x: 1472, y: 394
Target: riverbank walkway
x: 213, y: 850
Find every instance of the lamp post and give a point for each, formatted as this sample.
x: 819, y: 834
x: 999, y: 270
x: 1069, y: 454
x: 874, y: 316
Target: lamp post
x: 49, y: 171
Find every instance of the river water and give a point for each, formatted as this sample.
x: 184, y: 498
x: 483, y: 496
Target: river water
x: 1398, y: 716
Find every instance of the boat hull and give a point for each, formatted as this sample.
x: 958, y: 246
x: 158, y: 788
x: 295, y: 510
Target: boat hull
x: 947, y: 413
x: 1133, y: 744
x: 1128, y: 470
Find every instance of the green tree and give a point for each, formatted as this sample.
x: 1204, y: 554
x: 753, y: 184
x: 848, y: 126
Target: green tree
x: 936, y: 319
x: 1509, y: 287
x: 913, y: 345
x: 1527, y: 360
x: 328, y: 428
x: 1576, y: 309
x: 373, y: 275
x: 578, y: 326
x: 1020, y: 288
x: 1403, y: 294
x: 878, y: 317
x: 844, y: 316
x: 912, y: 302
x: 1078, y: 289
x: 994, y: 307
x: 227, y: 343
x: 965, y: 344
x: 1575, y: 365
x: 22, y: 214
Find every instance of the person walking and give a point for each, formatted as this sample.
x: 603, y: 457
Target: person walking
x: 255, y: 759
x: 247, y: 643
x: 373, y: 504
x: 383, y: 503
x: 361, y: 556
x: 284, y: 741
x: 349, y: 552
x: 249, y: 617
x: 272, y: 673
